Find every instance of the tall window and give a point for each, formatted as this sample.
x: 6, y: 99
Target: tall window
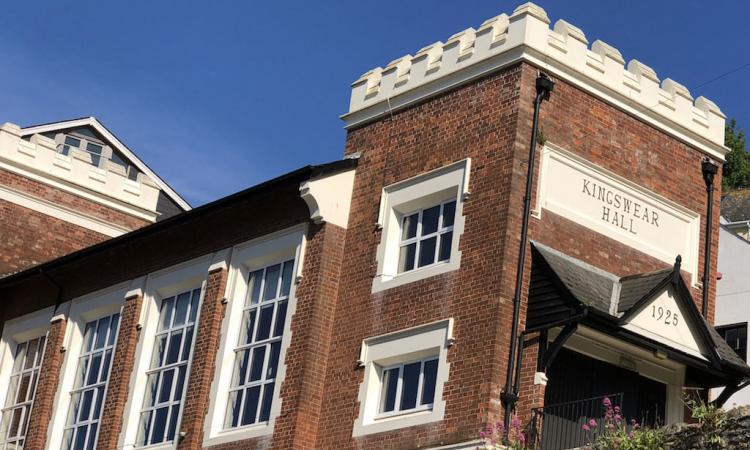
x: 23, y: 379
x: 169, y: 363
x: 736, y: 337
x: 408, y: 387
x: 257, y: 356
x: 426, y: 236
x: 91, y: 379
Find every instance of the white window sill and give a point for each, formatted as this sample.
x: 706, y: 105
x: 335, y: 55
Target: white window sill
x: 238, y: 434
x: 409, y: 419
x: 384, y: 282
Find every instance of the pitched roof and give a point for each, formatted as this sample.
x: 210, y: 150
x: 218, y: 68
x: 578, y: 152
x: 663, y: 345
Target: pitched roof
x: 115, y: 142
x: 735, y: 205
x: 620, y: 297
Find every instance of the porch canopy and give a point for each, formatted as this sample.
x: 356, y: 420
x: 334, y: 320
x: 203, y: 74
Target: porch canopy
x: 654, y: 311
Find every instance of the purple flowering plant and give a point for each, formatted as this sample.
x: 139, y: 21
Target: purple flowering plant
x: 614, y: 432
x: 492, y: 436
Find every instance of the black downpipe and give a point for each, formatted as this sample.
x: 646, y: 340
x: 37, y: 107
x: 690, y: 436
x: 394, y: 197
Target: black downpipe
x: 509, y: 396
x: 709, y: 169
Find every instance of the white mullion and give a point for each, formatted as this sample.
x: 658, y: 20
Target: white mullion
x: 418, y: 403
x: 399, y: 386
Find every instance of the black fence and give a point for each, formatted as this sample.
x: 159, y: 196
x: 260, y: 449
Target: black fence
x: 560, y: 426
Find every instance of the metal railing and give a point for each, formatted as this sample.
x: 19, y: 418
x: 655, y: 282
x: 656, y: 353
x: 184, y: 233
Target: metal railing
x: 560, y: 426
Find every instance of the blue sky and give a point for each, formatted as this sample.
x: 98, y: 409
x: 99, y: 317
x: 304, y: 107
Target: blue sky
x: 218, y: 96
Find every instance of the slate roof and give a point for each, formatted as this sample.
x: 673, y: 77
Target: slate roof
x: 735, y: 205
x: 615, y: 296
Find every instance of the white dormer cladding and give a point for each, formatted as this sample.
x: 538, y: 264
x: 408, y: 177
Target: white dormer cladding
x: 39, y: 160
x: 564, y: 52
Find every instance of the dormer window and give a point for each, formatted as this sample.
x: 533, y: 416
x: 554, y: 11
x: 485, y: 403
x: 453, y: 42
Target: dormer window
x: 67, y: 142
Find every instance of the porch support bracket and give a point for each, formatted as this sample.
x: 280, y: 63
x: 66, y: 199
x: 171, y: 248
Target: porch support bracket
x: 557, y: 344
x: 728, y: 391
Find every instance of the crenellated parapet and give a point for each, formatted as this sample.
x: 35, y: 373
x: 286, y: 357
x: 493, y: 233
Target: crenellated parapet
x: 562, y: 50
x: 38, y: 159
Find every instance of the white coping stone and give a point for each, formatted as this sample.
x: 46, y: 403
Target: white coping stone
x: 38, y: 159
x: 526, y: 35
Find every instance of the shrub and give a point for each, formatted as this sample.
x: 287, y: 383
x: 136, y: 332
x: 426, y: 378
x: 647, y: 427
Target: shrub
x: 493, y: 436
x: 618, y: 434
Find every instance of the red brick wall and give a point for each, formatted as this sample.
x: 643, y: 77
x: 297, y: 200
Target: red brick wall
x: 207, y: 336
x: 118, y: 386
x: 46, y: 388
x: 477, y: 121
x: 28, y: 237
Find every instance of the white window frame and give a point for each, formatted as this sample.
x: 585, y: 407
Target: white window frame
x: 159, y: 285
x: 423, y: 342
x: 406, y: 197
x: 419, y: 238
x: 399, y: 389
x: 252, y: 255
x: 83, y: 309
x: 17, y: 331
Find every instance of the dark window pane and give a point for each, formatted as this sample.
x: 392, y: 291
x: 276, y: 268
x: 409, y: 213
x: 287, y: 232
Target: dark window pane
x: 180, y: 382
x: 166, y: 386
x: 187, y: 344
x: 409, y: 385
x: 241, y: 376
x: 265, y: 409
x: 449, y: 214
x: 278, y: 329
x: 173, y: 422
x: 254, y: 286
x: 92, y: 436
x: 445, y: 246
x: 159, y: 426
x: 101, y: 332
x: 256, y: 368
x: 409, y: 226
x: 194, y: 305
x: 251, y: 405
x: 80, y: 439
x: 286, y: 279
x: 105, y: 367
x: 264, y: 325
x: 180, y: 314
x: 273, y: 362
x: 88, y: 398
x: 272, y: 282
x: 429, y: 380
x: 406, y: 259
x: 99, y: 401
x: 247, y: 335
x: 427, y: 251
x: 173, y: 351
x: 166, y: 312
x: 235, y: 399
x: 96, y: 361
x: 113, y: 331
x: 430, y: 218
x: 94, y: 148
x: 390, y: 384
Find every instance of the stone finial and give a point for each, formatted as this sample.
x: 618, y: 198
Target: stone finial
x: 641, y: 70
x: 675, y: 88
x: 605, y: 50
x: 530, y: 9
x: 566, y: 29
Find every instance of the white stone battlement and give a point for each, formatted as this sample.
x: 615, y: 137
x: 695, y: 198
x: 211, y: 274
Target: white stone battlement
x: 39, y: 159
x: 563, y: 51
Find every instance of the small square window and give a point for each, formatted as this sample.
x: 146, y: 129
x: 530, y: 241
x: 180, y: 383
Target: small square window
x: 405, y: 372
x: 426, y: 236
x: 408, y: 387
x: 422, y: 222
x: 736, y: 337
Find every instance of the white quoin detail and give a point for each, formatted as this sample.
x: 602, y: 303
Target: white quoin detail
x: 329, y: 198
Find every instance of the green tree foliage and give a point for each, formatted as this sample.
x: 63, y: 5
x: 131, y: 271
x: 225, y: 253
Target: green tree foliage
x: 738, y: 159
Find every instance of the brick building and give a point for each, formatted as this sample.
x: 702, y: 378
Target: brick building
x: 369, y: 303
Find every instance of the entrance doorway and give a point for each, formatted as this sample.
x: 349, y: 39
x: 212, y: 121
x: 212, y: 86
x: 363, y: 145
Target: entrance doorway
x: 575, y: 390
